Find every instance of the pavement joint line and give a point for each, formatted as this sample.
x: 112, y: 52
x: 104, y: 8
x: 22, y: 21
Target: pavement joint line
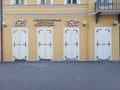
x: 8, y: 62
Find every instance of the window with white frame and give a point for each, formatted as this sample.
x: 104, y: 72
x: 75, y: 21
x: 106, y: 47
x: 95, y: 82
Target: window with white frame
x: 72, y: 1
x: 105, y: 1
x: 18, y: 2
x: 45, y: 1
x: 104, y: 4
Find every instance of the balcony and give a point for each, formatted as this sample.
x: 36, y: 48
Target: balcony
x: 107, y: 8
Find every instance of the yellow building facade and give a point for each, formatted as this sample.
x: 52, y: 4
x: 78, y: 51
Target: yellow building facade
x: 80, y: 30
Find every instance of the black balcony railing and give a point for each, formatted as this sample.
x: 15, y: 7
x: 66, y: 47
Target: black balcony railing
x: 107, y: 6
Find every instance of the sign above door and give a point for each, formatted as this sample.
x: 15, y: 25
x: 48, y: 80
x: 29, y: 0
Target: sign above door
x: 46, y: 22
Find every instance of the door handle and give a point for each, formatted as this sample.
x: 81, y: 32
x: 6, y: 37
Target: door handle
x: 50, y: 44
x: 76, y: 44
x: 66, y: 44
x: 103, y: 44
x: 25, y: 44
x: 39, y: 44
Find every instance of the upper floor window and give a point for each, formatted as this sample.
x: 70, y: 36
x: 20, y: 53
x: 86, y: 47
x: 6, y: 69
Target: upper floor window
x: 45, y: 2
x: 105, y: 1
x: 18, y: 2
x: 72, y: 1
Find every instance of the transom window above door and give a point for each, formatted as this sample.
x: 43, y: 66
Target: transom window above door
x: 45, y: 1
x: 18, y: 2
x: 72, y: 1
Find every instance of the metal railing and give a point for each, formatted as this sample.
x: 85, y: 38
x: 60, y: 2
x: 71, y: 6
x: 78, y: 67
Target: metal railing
x: 107, y: 6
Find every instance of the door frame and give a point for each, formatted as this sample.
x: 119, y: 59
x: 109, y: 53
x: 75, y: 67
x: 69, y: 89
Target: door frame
x: 52, y: 42
x: 64, y: 40
x: 96, y: 28
x: 27, y: 42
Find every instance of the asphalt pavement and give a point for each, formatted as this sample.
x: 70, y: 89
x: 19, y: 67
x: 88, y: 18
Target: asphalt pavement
x: 60, y: 75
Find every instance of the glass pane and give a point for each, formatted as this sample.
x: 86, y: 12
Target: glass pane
x: 68, y: 1
x: 74, y: 1
x: 42, y: 1
x: 102, y: 0
x: 22, y: 1
x: 98, y: 0
x: 48, y: 2
x: 17, y: 1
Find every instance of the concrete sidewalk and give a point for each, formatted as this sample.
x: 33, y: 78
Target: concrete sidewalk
x: 60, y: 76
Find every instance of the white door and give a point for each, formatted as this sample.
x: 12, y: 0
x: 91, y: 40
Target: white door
x: 71, y: 43
x: 45, y: 43
x: 103, y: 44
x: 20, y: 44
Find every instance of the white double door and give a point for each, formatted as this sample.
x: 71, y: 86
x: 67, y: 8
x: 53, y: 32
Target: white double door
x: 103, y: 44
x: 71, y: 44
x: 45, y: 43
x: 20, y: 44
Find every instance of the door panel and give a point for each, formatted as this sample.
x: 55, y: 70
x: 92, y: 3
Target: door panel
x: 23, y: 44
x: 75, y: 44
x: 41, y: 47
x: 67, y: 44
x: 48, y: 44
x: 108, y: 44
x: 15, y: 44
x: 100, y: 40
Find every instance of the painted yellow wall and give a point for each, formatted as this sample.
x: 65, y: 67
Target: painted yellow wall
x: 87, y: 34
x: 45, y: 9
x: 105, y: 21
x: 32, y: 33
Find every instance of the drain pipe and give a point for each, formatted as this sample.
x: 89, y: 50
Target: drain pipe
x: 1, y: 31
x: 119, y: 33
x: 119, y: 42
